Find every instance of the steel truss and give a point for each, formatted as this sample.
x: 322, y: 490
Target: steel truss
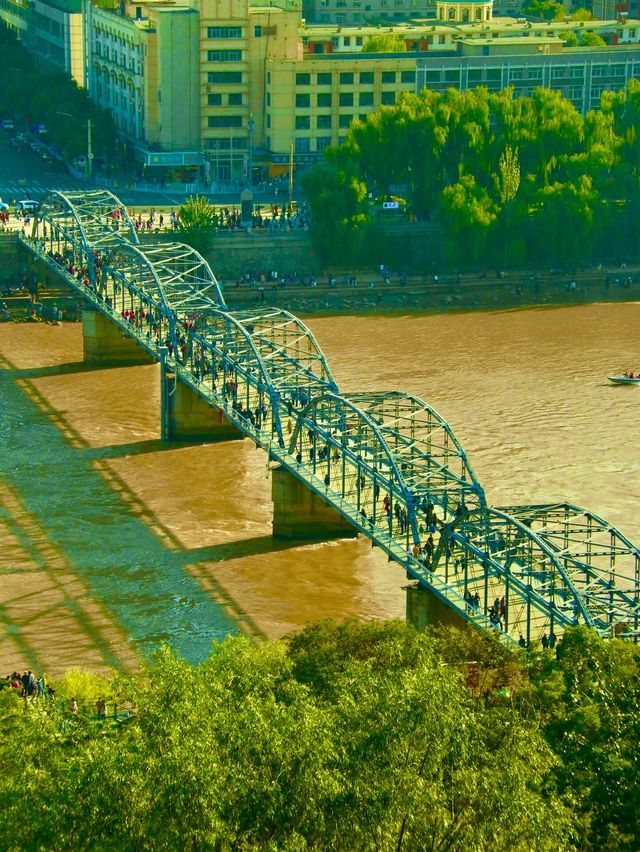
x: 386, y: 461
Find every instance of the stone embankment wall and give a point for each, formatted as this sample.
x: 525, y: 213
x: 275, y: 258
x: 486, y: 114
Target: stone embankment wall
x: 237, y: 253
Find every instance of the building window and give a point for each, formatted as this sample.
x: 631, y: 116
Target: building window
x: 323, y: 122
x: 388, y: 76
x: 366, y: 78
x: 235, y: 99
x: 303, y: 122
x: 340, y: 19
x: 225, y: 121
x: 303, y: 144
x: 224, y: 56
x: 214, y: 100
x: 224, y: 77
x: 257, y: 32
x: 388, y: 98
x: 324, y: 99
x: 344, y: 121
x: 366, y: 99
x: 358, y: 38
x: 516, y: 74
x: 268, y: 98
x: 224, y: 32
x: 347, y: 41
x: 303, y: 101
x: 432, y: 76
x: 452, y: 76
x: 322, y: 142
x: 303, y: 79
x: 534, y: 73
x: 346, y: 99
x: 268, y: 119
x: 323, y: 78
x: 442, y: 39
x: 346, y: 78
x: 407, y: 76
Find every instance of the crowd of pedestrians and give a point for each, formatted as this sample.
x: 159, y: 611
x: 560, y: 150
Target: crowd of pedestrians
x: 32, y: 689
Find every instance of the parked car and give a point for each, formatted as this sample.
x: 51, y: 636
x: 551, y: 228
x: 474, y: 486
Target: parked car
x: 27, y: 205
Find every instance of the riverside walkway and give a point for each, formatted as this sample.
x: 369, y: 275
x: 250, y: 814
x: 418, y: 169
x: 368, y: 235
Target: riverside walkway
x: 384, y: 465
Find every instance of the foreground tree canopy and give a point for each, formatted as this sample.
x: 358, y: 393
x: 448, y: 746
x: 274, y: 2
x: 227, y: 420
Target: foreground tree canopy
x: 578, y: 192
x: 354, y: 736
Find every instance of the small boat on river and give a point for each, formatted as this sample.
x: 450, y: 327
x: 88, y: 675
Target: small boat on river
x: 628, y: 378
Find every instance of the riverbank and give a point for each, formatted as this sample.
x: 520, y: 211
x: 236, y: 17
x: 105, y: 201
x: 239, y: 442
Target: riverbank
x: 341, y: 291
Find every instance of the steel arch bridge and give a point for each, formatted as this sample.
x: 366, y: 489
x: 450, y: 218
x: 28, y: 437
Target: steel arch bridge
x: 386, y: 462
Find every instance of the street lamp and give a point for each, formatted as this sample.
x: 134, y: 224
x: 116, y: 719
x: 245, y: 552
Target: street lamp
x: 89, y: 166
x: 250, y: 126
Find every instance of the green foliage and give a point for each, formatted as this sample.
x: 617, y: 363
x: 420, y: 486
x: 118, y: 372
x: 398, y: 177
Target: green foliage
x: 548, y: 10
x: 354, y: 736
x: 582, y: 14
x: 340, y: 209
x: 197, y: 219
x: 590, y: 701
x: 385, y: 43
x: 90, y: 686
x: 589, y: 39
x: 509, y: 178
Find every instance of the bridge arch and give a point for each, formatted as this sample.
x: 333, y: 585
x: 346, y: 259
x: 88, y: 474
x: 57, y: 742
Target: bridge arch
x: 95, y: 218
x: 166, y: 285
x: 433, y: 464
x: 344, y: 447
x: 222, y: 354
x: 604, y: 566
x: 80, y: 226
x: 498, y: 556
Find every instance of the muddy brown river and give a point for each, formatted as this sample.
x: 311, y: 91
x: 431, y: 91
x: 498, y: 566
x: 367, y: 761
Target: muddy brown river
x: 111, y: 543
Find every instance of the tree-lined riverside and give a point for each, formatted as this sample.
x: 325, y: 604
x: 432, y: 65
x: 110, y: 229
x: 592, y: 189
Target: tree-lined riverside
x: 576, y: 200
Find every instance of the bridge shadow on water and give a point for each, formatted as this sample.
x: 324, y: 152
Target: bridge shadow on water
x: 91, y: 552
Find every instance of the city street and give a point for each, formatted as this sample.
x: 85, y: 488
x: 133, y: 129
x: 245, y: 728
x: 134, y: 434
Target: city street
x: 24, y: 174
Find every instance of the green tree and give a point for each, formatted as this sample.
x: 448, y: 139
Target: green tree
x: 385, y: 43
x: 582, y: 14
x: 548, y: 10
x: 340, y: 211
x: 197, y: 220
x: 590, y: 714
x: 590, y: 39
x: 468, y: 213
x: 353, y: 736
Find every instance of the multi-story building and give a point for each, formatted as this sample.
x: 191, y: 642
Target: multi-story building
x: 211, y: 86
x: 581, y: 74
x: 52, y: 30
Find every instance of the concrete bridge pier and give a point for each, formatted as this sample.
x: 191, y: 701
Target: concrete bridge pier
x: 105, y: 344
x: 186, y: 416
x: 299, y: 514
x: 425, y: 609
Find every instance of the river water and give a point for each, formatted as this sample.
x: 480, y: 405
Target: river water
x: 111, y: 543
